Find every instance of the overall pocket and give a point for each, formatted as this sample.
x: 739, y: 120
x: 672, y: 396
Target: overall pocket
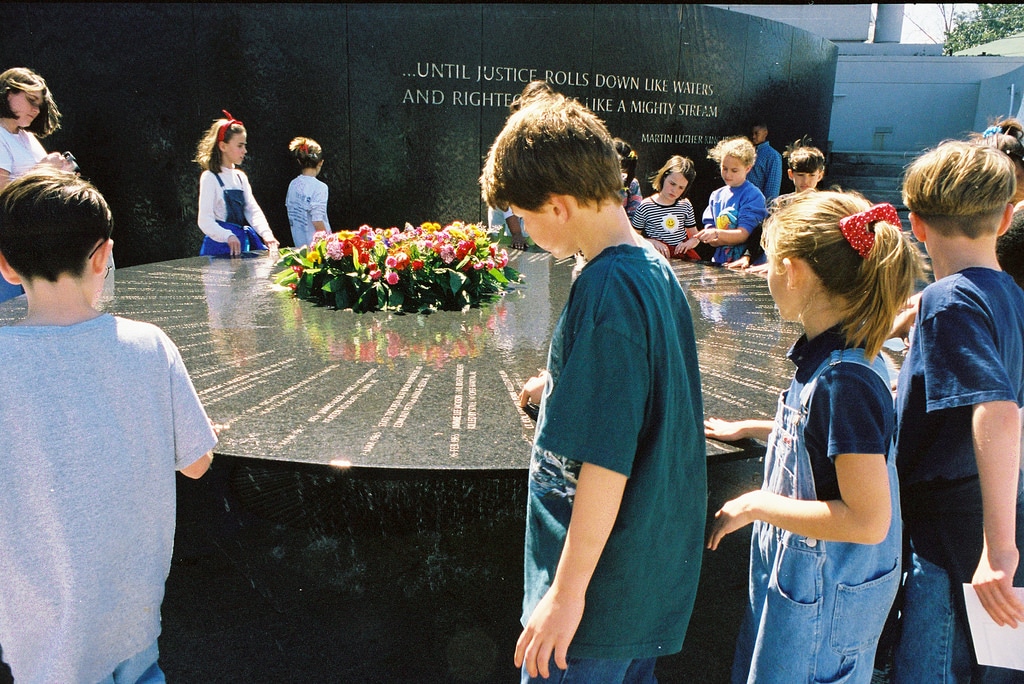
x: 860, y: 612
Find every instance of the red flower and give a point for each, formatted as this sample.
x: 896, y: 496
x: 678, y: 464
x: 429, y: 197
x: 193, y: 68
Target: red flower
x: 298, y: 269
x: 465, y: 248
x: 417, y: 264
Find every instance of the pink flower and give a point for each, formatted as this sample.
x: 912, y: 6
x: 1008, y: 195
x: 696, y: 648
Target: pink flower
x: 447, y: 254
x: 335, y: 250
x: 318, y: 236
x: 391, y: 262
x: 391, y: 278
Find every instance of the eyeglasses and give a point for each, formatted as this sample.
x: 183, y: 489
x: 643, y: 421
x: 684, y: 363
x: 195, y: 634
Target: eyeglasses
x: 96, y: 249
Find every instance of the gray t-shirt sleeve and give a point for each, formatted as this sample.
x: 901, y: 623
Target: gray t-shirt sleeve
x: 193, y: 435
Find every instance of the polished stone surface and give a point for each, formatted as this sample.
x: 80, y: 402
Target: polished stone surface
x: 301, y: 383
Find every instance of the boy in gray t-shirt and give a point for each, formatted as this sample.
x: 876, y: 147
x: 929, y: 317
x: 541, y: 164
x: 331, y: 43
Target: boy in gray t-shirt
x: 96, y: 413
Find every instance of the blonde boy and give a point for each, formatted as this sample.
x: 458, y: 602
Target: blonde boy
x: 97, y: 413
x: 618, y: 492
x: 735, y: 209
x: 958, y: 430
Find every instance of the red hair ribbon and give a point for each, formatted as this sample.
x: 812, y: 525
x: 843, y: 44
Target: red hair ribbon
x: 231, y: 121
x: 856, y: 229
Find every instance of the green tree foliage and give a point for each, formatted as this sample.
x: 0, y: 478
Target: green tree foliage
x: 987, y: 23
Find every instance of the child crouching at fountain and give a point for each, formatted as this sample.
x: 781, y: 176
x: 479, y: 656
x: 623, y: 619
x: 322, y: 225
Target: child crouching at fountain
x: 97, y: 413
x: 826, y: 543
x: 618, y: 485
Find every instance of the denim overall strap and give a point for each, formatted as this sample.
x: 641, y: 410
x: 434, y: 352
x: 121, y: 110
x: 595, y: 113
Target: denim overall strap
x: 234, y: 203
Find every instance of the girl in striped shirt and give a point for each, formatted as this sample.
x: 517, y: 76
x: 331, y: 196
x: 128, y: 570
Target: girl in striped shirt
x: 666, y: 218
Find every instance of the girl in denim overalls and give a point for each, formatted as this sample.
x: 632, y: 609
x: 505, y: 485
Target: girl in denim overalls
x: 228, y: 213
x: 825, y: 550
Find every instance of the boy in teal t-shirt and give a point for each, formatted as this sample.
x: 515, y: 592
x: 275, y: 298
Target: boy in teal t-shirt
x: 618, y: 485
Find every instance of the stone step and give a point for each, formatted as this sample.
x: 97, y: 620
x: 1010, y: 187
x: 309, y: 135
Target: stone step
x: 845, y: 168
x: 876, y: 192
x: 874, y: 158
x: 864, y: 183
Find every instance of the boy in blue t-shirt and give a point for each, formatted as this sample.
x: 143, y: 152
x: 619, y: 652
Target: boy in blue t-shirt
x: 618, y: 485
x: 958, y: 425
x: 735, y: 209
x: 97, y: 413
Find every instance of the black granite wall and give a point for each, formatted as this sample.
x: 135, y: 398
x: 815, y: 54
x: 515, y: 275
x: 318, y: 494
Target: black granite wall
x: 405, y: 99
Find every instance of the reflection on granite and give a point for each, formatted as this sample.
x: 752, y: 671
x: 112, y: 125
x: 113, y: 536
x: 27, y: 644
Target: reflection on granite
x: 297, y: 382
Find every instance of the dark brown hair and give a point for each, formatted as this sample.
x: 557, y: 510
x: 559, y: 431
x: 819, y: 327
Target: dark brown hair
x: 50, y: 221
x: 552, y: 146
x: 21, y: 80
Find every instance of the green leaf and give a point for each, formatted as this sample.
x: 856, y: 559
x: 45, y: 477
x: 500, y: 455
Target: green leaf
x: 343, y: 298
x: 286, y: 277
x: 456, y: 280
x: 333, y: 285
x: 498, y: 275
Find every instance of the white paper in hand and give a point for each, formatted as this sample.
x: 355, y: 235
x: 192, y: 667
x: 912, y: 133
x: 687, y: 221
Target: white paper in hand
x: 994, y: 645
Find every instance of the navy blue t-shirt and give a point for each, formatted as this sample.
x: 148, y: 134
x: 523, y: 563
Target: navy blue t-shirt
x: 966, y: 348
x: 850, y: 412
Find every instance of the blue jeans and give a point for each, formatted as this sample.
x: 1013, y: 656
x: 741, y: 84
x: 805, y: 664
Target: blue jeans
x: 141, y: 668
x: 934, y: 646
x: 597, y: 671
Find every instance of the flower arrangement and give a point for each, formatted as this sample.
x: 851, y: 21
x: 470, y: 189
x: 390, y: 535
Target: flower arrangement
x: 418, y: 269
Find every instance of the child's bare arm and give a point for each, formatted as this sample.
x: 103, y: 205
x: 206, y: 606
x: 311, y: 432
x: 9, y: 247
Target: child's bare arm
x: 905, y: 318
x: 663, y: 249
x: 862, y: 515
x: 554, y: 621
x: 996, y: 430
x: 717, y: 237
x: 199, y: 467
x: 533, y: 389
x: 731, y: 430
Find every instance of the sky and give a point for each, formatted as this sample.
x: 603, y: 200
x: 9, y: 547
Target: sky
x: 923, y: 22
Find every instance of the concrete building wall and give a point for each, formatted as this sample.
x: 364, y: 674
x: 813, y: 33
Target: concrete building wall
x: 999, y: 96
x: 897, y: 103
x: 838, y: 23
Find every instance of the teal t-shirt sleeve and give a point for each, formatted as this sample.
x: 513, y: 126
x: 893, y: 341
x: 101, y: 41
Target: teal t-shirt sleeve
x: 595, y: 410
